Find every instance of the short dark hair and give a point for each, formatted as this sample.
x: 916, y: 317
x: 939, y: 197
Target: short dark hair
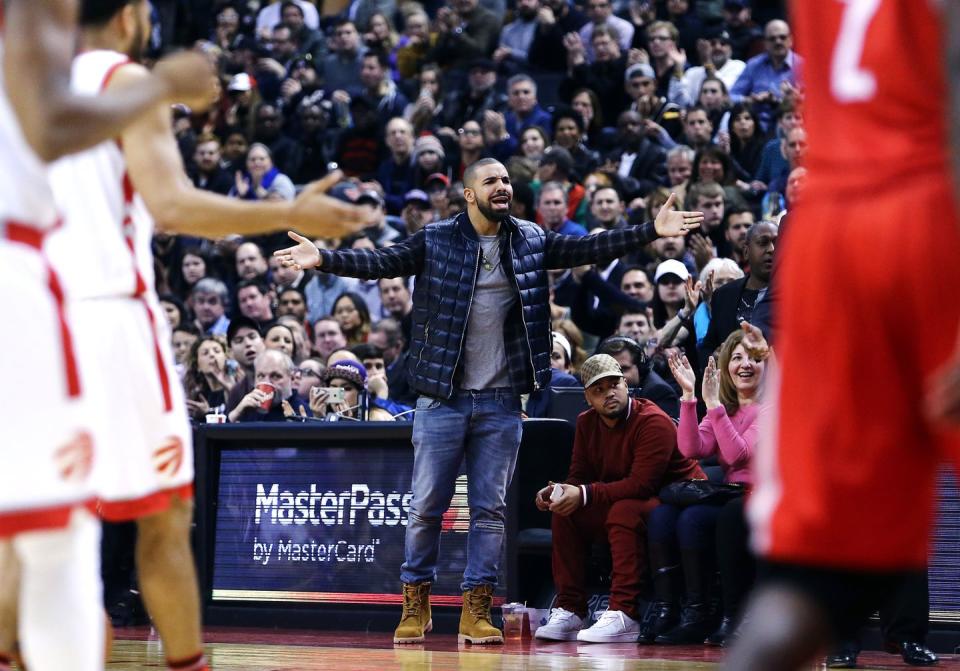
x: 613, y: 187
x: 382, y: 59
x: 471, y: 171
x: 618, y: 343
x: 289, y: 3
x: 367, y: 351
x: 99, y: 12
x: 340, y: 22
x: 568, y: 113
x: 695, y: 108
x: 754, y: 230
x: 259, y: 284
x: 559, y: 157
x: 390, y: 327
x: 187, y: 327
x: 288, y: 288
x: 734, y: 210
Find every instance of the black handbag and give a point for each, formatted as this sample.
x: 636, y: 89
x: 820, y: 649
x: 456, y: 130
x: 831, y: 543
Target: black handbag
x: 685, y: 493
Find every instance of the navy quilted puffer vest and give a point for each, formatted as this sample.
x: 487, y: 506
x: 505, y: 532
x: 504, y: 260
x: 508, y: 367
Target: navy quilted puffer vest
x: 442, y: 298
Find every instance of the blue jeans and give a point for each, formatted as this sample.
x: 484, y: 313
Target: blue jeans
x: 484, y: 428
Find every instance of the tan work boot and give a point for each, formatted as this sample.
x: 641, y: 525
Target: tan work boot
x: 475, y: 625
x: 416, y: 619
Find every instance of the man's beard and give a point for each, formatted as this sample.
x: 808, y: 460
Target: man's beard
x: 488, y: 212
x: 616, y: 414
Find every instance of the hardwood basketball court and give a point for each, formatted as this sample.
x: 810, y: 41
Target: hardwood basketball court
x: 289, y: 650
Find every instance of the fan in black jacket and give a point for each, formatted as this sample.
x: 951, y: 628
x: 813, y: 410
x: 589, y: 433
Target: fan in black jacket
x: 734, y: 302
x: 648, y: 161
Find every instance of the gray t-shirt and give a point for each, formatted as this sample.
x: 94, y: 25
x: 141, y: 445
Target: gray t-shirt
x: 484, y: 362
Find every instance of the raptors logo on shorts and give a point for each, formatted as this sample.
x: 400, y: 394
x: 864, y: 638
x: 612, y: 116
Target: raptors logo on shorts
x: 75, y: 459
x: 168, y: 458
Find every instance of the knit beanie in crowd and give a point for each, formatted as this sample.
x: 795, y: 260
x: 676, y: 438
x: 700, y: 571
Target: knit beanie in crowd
x: 426, y: 142
x: 351, y: 371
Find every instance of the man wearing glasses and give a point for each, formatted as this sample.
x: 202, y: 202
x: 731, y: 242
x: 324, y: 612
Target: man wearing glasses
x: 771, y: 76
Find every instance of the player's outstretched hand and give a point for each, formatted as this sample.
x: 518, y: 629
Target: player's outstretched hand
x: 322, y: 216
x: 302, y: 255
x: 190, y: 79
x: 943, y: 393
x: 754, y: 342
x: 670, y: 222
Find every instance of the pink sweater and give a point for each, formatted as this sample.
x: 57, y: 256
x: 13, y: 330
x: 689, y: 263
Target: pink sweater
x: 732, y: 439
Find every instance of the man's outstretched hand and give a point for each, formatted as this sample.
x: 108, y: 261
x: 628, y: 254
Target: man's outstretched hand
x: 943, y: 393
x: 670, y: 222
x: 321, y: 216
x: 754, y: 342
x: 301, y: 256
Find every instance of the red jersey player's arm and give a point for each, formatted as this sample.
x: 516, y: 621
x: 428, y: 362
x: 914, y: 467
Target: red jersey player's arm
x: 156, y: 169
x: 39, y: 41
x: 943, y: 393
x: 951, y: 50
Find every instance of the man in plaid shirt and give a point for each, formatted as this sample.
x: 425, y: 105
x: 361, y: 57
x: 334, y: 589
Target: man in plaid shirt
x: 480, y: 339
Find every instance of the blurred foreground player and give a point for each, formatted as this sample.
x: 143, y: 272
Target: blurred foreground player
x: 108, y: 194
x: 49, y: 544
x: 869, y: 372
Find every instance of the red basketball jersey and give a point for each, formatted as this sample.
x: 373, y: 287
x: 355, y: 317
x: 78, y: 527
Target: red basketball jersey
x: 875, y: 92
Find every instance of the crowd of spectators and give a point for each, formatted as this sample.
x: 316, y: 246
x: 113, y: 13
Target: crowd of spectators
x: 598, y: 109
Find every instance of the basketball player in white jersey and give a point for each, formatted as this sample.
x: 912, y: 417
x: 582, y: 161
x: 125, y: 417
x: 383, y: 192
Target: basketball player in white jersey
x: 108, y: 194
x: 49, y: 543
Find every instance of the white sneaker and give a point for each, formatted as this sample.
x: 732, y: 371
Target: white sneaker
x: 562, y: 626
x: 614, y: 626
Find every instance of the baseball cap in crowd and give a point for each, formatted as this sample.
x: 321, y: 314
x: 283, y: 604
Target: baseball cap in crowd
x: 240, y: 82
x: 417, y: 196
x: 485, y: 64
x: 241, y: 322
x: 598, y: 367
x: 345, y: 191
x: 370, y: 196
x: 437, y: 177
x: 351, y: 371
x: 671, y: 267
x: 639, y: 70
x: 717, y: 32
x: 736, y: 4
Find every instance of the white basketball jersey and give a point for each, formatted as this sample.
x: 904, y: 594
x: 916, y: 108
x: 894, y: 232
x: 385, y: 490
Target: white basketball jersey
x: 103, y: 249
x: 25, y: 195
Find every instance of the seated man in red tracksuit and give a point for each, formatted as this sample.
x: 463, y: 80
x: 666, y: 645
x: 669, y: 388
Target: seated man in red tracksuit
x: 625, y: 451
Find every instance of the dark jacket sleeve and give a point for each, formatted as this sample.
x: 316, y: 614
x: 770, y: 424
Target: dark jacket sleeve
x: 723, y: 307
x: 610, y: 295
x: 568, y: 251
x: 477, y: 40
x: 656, y: 389
x: 650, y: 168
x: 596, y: 320
x: 654, y: 441
x: 400, y: 260
x: 547, y: 50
